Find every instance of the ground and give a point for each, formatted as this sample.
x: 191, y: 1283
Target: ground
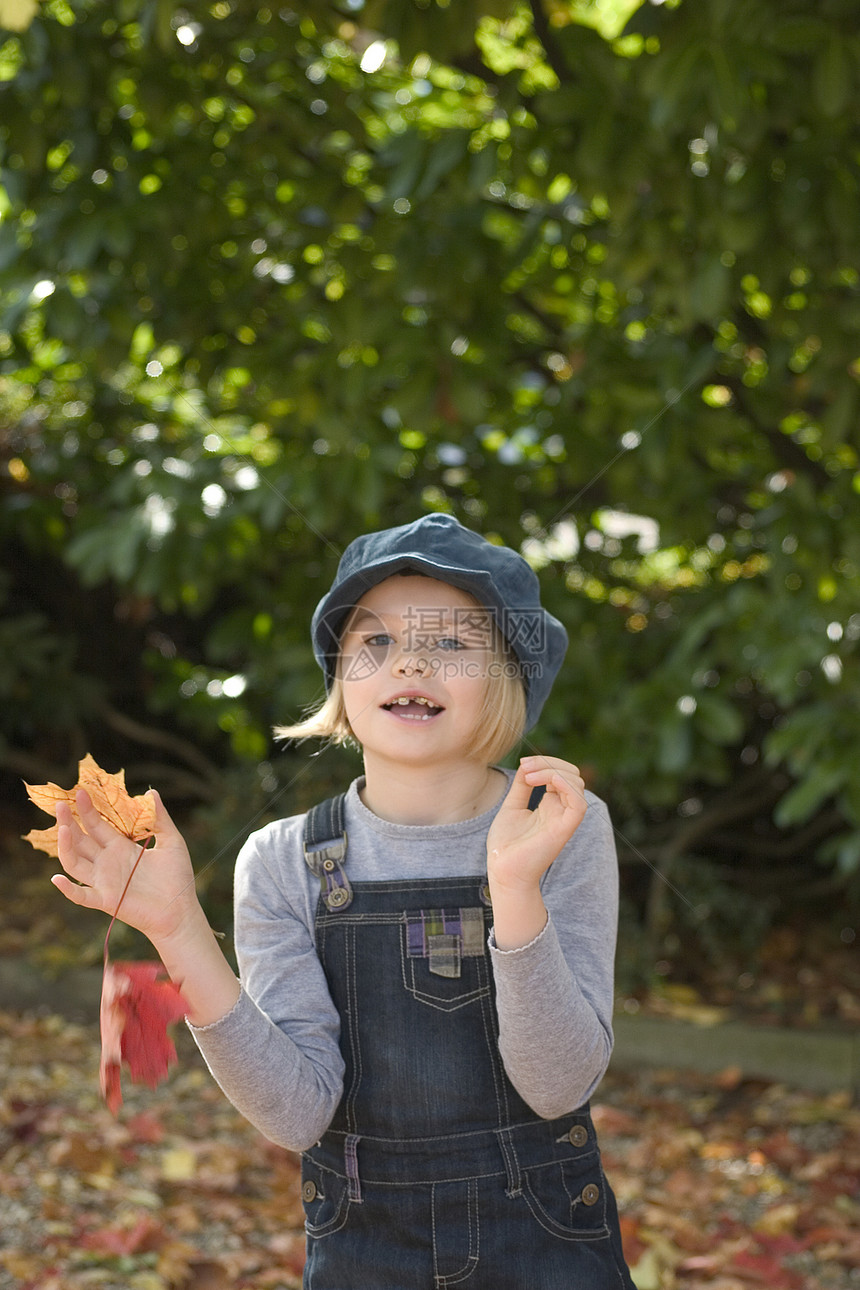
x: 722, y: 1183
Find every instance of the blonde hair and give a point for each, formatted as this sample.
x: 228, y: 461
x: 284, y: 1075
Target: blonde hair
x: 500, y: 728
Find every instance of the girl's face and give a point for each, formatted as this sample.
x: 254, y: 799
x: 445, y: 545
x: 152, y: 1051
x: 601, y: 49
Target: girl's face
x: 413, y: 664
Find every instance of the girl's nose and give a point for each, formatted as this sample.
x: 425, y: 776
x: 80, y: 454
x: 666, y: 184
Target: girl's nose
x: 409, y: 662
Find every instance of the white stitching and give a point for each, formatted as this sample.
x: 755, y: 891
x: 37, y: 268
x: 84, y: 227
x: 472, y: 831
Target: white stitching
x: 552, y: 1225
x: 472, y: 1259
x: 355, y: 1046
x: 491, y: 1038
x: 407, y: 972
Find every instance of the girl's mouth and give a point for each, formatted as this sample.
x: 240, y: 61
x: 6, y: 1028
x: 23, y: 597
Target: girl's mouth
x: 413, y: 707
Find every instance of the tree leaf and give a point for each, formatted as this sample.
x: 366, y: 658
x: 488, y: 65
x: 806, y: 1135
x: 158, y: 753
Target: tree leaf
x: 138, y: 1003
x: 16, y: 15
x: 832, y: 79
x: 133, y: 816
x: 807, y: 796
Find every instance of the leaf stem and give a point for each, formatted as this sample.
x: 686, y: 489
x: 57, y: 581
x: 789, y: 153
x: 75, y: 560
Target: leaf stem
x: 144, y: 845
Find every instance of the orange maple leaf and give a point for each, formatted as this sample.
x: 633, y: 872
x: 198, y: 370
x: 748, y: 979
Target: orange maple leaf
x: 133, y: 816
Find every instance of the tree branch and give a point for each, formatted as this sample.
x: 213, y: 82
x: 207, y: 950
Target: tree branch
x: 785, y: 450
x: 175, y: 781
x: 725, y: 809
x: 784, y: 847
x: 154, y: 738
x: 554, y: 56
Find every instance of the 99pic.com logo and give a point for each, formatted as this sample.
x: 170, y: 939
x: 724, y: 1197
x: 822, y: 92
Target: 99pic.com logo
x: 444, y: 642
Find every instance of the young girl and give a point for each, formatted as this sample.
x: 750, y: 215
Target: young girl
x: 426, y: 963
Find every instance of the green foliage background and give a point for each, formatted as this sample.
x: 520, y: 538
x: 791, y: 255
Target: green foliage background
x: 583, y: 273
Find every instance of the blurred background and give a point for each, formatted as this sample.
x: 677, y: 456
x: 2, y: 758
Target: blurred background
x: 583, y: 273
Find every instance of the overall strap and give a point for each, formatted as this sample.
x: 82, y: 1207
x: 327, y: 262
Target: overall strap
x: 325, y: 851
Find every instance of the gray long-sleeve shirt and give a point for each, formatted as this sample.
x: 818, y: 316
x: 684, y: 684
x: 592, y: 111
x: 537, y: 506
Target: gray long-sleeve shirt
x: 276, y: 1053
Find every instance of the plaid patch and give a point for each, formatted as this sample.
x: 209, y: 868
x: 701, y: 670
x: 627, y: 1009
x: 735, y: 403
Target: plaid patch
x: 444, y: 955
x: 445, y: 936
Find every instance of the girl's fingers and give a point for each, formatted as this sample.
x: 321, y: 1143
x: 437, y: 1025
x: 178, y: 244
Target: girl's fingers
x: 66, y: 819
x: 562, y: 807
x: 103, y: 832
x: 165, y: 829
x: 568, y: 784
x: 95, y: 825
x: 72, y: 891
x: 519, y: 793
x: 72, y: 848
x: 564, y: 779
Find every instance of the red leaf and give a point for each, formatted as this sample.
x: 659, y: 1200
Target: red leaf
x: 781, y: 1244
x: 764, y: 1270
x: 145, y: 1127
x: 138, y: 1003
x: 146, y: 1234
x: 634, y: 1246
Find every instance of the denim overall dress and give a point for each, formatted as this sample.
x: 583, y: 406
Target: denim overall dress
x: 434, y: 1172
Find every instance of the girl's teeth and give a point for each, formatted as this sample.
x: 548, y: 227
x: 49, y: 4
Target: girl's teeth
x: 418, y: 700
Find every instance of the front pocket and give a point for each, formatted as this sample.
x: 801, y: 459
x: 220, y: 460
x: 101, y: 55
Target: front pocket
x: 443, y: 955
x: 568, y: 1197
x: 325, y: 1197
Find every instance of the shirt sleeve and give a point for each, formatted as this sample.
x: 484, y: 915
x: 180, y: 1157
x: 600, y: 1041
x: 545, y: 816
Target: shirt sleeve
x: 276, y: 1053
x: 554, y: 996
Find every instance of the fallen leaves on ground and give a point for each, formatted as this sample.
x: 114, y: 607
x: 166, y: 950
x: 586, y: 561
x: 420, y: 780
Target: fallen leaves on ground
x: 723, y: 1183
x: 180, y: 1193
x: 800, y: 976
x: 731, y: 1183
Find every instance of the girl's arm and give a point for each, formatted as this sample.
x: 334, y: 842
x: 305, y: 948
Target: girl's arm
x: 276, y: 1055
x: 553, y: 945
x: 161, y: 900
x: 522, y: 844
x: 274, y: 1051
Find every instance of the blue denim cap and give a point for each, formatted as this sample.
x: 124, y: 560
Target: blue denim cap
x: 439, y: 546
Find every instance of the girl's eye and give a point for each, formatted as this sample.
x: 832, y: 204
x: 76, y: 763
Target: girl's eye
x: 379, y: 640
x: 450, y: 643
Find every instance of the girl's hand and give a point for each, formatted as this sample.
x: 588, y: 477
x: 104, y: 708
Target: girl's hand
x: 522, y: 844
x: 161, y: 895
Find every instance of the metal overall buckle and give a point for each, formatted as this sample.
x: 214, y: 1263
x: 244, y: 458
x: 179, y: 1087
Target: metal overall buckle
x: 327, y: 863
